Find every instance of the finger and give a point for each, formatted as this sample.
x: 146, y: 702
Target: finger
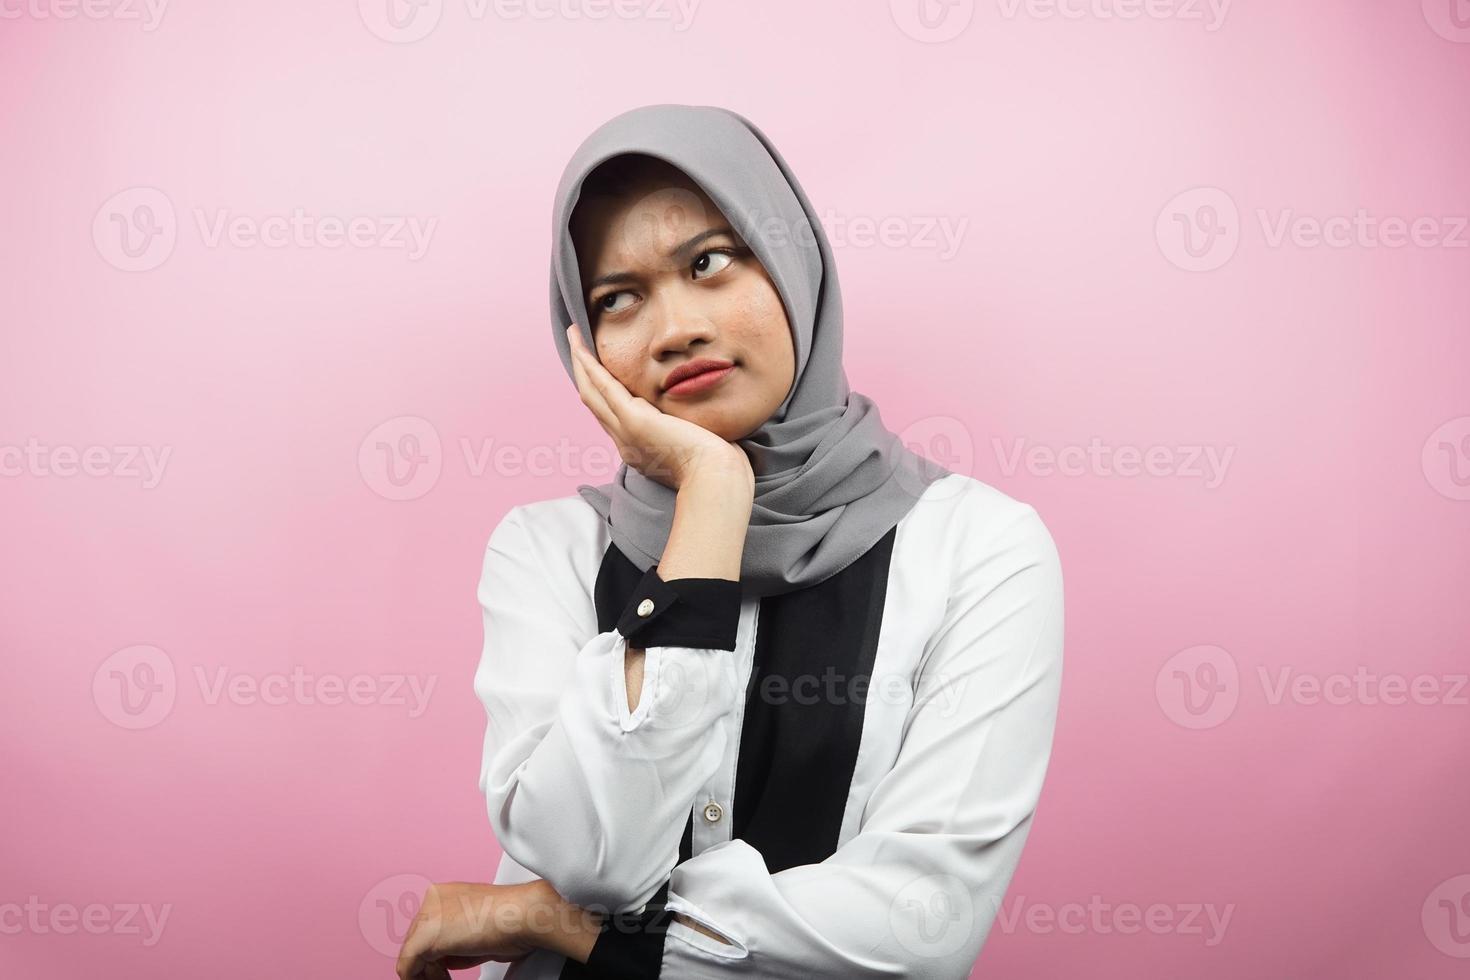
x: 614, y: 394
x: 408, y: 965
x: 582, y: 366
x: 465, y: 962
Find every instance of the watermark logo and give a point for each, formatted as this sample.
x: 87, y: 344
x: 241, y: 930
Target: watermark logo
x: 932, y: 916
x: 932, y: 21
x: 940, y: 439
x: 135, y: 687
x: 138, y: 687
x: 401, y: 21
x: 1446, y: 458
x: 1199, y: 230
x: 135, y: 229
x: 682, y: 687
x: 387, y: 911
x: 1446, y: 917
x: 401, y: 459
x: 1450, y: 19
x: 1198, y: 687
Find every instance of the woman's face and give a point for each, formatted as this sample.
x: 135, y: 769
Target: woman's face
x: 667, y: 282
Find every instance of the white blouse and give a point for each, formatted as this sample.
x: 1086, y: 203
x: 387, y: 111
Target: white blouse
x: 839, y: 781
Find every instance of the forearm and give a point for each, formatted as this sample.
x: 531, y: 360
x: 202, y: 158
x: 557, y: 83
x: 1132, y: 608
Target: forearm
x: 598, y: 769
x: 707, y: 540
x: 685, y: 920
x: 711, y: 517
x: 551, y: 922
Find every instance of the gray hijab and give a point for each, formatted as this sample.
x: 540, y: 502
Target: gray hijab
x: 830, y: 479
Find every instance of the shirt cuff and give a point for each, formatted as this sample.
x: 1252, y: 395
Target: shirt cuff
x: 684, y: 612
x: 630, y: 946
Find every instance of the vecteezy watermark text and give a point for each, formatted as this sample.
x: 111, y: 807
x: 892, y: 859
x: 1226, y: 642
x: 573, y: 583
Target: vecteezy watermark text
x: 137, y: 687
x: 1201, y: 229
x: 407, y: 21
x: 37, y: 917
x: 1100, y: 917
x: 121, y: 462
x: 300, y: 687
x: 149, y: 12
x: 1211, y: 13
x: 137, y: 229
x: 1200, y: 687
x: 934, y: 915
x: 1205, y: 463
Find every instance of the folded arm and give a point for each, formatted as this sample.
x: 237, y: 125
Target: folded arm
x: 916, y: 890
x: 582, y: 789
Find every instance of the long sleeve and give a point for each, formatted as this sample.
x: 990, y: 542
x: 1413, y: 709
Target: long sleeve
x: 915, y: 891
x: 581, y: 791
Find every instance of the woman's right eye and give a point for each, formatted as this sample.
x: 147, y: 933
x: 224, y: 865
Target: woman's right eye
x: 604, y: 306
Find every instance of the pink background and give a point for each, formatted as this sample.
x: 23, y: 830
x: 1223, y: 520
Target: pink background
x: 1332, y: 383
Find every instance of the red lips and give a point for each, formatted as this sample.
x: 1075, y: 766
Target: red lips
x: 697, y: 366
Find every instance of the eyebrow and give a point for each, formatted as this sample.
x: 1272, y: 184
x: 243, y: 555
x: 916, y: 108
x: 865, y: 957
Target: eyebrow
x: 677, y: 253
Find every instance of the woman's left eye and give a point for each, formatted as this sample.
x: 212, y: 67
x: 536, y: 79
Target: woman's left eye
x: 702, y: 263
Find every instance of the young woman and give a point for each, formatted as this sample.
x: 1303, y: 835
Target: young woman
x: 778, y: 701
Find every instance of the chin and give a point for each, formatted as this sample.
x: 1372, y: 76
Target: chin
x: 717, y: 422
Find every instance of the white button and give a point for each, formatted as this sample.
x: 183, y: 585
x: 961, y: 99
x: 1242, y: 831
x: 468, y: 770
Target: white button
x: 713, y: 812
x: 645, y: 607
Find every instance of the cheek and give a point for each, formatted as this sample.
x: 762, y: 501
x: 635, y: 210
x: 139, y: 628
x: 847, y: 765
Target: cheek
x: 760, y: 322
x: 767, y: 333
x: 621, y: 362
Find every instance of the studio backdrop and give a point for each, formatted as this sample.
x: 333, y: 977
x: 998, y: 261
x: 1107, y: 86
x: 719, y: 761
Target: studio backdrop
x: 1190, y: 277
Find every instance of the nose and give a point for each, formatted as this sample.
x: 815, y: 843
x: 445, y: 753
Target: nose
x: 677, y: 327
